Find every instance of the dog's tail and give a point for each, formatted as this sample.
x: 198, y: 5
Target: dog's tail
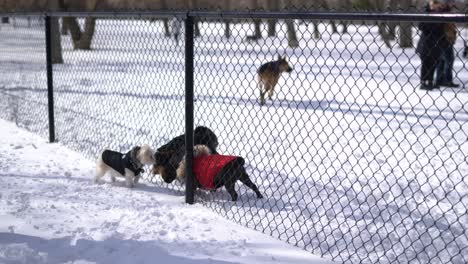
x: 198, y: 150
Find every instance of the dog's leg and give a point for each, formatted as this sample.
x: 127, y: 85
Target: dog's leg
x: 101, y: 169
x: 262, y: 93
x: 137, y: 178
x: 129, y: 177
x: 245, y: 179
x: 260, y: 88
x: 230, y: 184
x: 270, y: 93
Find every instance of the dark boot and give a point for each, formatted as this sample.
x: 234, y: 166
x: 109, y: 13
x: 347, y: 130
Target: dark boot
x: 426, y: 85
x: 450, y: 85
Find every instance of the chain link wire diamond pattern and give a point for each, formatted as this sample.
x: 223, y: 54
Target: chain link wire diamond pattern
x: 355, y: 162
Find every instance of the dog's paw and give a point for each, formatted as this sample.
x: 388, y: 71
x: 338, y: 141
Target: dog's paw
x: 234, y: 198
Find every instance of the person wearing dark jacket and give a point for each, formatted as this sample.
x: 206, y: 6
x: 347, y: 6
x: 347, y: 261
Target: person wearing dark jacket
x: 445, y: 65
x: 429, y: 47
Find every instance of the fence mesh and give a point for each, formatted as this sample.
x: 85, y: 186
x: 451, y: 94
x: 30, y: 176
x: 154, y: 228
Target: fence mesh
x: 354, y: 160
x: 23, y: 83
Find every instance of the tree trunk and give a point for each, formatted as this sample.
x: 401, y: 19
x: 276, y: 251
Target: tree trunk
x: 273, y: 5
x: 292, y: 38
x: 64, y: 29
x: 258, y: 33
x: 393, y: 7
x: 347, y: 6
x: 56, y: 41
x: 333, y: 26
x: 81, y: 40
x: 227, y: 28
x: 271, y: 27
x: 167, y: 33
x: 227, y: 22
x: 87, y: 35
x: 316, y: 30
x: 74, y: 28
x: 379, y: 5
x: 406, y: 34
x: 196, y: 31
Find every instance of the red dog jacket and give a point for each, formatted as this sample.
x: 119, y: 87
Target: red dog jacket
x: 205, y: 168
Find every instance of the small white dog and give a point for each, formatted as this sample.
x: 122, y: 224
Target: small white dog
x: 128, y: 165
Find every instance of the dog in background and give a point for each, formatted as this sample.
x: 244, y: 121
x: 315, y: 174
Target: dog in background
x: 128, y: 165
x: 268, y: 75
x: 168, y: 156
x: 213, y: 171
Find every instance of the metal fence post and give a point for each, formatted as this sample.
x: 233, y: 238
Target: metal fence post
x: 50, y: 83
x: 189, y: 183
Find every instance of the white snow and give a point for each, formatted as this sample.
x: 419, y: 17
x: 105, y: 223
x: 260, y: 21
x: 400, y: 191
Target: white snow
x: 51, y: 212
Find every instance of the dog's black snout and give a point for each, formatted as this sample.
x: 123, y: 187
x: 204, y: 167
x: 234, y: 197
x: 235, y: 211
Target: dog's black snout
x: 167, y: 180
x: 289, y: 70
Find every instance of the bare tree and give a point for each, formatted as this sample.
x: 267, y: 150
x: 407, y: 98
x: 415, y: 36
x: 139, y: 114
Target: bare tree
x: 406, y: 34
x: 379, y: 5
x: 273, y: 5
x: 56, y: 42
x: 227, y: 22
x: 292, y: 37
x: 81, y: 39
x: 257, y: 33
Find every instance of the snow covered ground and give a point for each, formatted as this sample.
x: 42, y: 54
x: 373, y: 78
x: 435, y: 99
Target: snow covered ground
x: 51, y: 212
x: 355, y: 161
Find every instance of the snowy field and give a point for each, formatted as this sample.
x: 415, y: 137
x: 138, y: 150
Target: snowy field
x: 355, y: 161
x: 51, y: 212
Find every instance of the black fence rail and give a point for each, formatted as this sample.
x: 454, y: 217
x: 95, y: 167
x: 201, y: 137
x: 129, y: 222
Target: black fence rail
x: 357, y: 157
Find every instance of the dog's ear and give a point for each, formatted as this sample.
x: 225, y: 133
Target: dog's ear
x: 279, y: 57
x: 161, y: 158
x: 134, y: 152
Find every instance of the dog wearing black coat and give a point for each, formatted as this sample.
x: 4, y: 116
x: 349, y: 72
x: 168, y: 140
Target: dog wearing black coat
x: 128, y: 165
x: 213, y: 171
x: 168, y: 156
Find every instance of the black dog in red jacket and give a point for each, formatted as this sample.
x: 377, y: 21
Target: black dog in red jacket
x: 213, y: 171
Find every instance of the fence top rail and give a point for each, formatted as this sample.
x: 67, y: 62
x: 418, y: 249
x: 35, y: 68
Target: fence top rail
x: 420, y: 17
x: 360, y: 16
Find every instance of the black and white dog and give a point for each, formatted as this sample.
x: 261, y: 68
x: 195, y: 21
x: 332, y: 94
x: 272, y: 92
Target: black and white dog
x: 128, y: 165
x: 168, y: 156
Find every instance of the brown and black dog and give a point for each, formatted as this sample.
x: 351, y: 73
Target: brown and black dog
x: 168, y: 156
x: 268, y: 76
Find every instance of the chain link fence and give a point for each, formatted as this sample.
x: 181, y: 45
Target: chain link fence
x: 354, y: 160
x: 23, y: 84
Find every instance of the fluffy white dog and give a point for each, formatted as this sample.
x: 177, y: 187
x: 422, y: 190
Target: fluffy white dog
x: 128, y: 165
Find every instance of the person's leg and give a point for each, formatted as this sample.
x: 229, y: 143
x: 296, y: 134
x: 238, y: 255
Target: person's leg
x: 428, y: 67
x: 450, y: 57
x: 441, y: 76
x: 432, y: 64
